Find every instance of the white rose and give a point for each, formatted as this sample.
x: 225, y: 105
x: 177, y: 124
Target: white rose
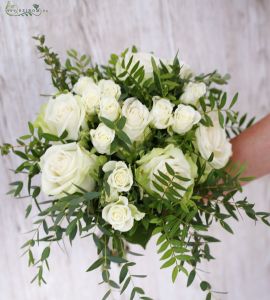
x: 143, y: 58
x: 109, y: 88
x: 213, y: 140
x: 101, y: 138
x: 65, y: 166
x: 121, y: 178
x: 109, y: 108
x: 184, y: 118
x: 192, y: 92
x: 161, y: 113
x: 185, y: 70
x: 65, y: 112
x: 121, y: 215
x: 91, y: 98
x: 82, y: 84
x: 138, y: 118
x: 156, y: 161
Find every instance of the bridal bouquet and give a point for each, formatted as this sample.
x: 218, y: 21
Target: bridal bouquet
x: 125, y: 151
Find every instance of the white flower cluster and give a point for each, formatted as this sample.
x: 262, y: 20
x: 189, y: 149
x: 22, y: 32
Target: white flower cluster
x: 67, y: 166
x: 64, y: 167
x: 121, y: 214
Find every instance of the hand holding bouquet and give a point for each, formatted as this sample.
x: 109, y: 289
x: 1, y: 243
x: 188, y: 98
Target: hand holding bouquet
x: 135, y: 148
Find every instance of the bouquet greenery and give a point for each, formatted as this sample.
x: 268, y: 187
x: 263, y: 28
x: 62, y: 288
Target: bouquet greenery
x: 128, y: 150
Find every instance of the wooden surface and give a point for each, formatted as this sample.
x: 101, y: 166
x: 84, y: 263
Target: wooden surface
x: 232, y: 36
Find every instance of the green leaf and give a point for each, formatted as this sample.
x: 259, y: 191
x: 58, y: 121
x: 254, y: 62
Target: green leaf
x: 191, y: 277
x: 71, y: 226
x: 242, y: 120
x: 212, y: 102
x: 234, y: 100
x: 135, y: 67
x: 50, y: 137
x: 105, y: 275
x: 158, y: 83
x: 175, y: 273
x: 45, y: 226
x: 208, y: 121
x: 208, y: 296
x: 31, y: 127
x: 72, y: 53
x: 158, y: 187
x: 168, y: 263
x: 21, y: 154
x: 125, y: 285
x: 221, y: 119
x: 231, y: 117
x: 124, y: 137
x: 117, y: 259
x: 36, y: 192
x: 157, y: 230
x: 107, y: 122
x: 178, y: 187
x: 167, y: 254
x: 28, y: 210
x: 113, y: 147
x: 211, y: 157
x: 265, y: 221
x: 46, y: 253
x: 202, y: 103
x: 205, y: 286
x: 210, y: 239
x: 40, y: 133
x: 184, y: 257
x: 226, y: 226
x: 31, y: 259
x: 250, y: 122
x: 133, y: 293
x: 73, y: 232
x: 91, y: 195
x: 121, y: 123
x: 113, y: 284
x: 122, y: 144
x: 164, y: 176
x: 122, y: 74
x: 169, y: 169
x: 123, y: 274
x: 106, y: 295
x: 223, y: 101
x: 96, y: 264
x: 160, y: 179
x: 161, y: 239
x: 134, y: 253
x: 139, y: 290
x: 30, y: 243
x: 19, y: 187
x: 177, y: 243
x: 247, y: 179
x: 139, y: 276
x: 64, y: 135
x: 163, y: 247
x: 181, y: 177
x: 129, y: 63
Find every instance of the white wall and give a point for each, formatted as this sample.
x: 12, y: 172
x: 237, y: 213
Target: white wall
x: 232, y: 36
